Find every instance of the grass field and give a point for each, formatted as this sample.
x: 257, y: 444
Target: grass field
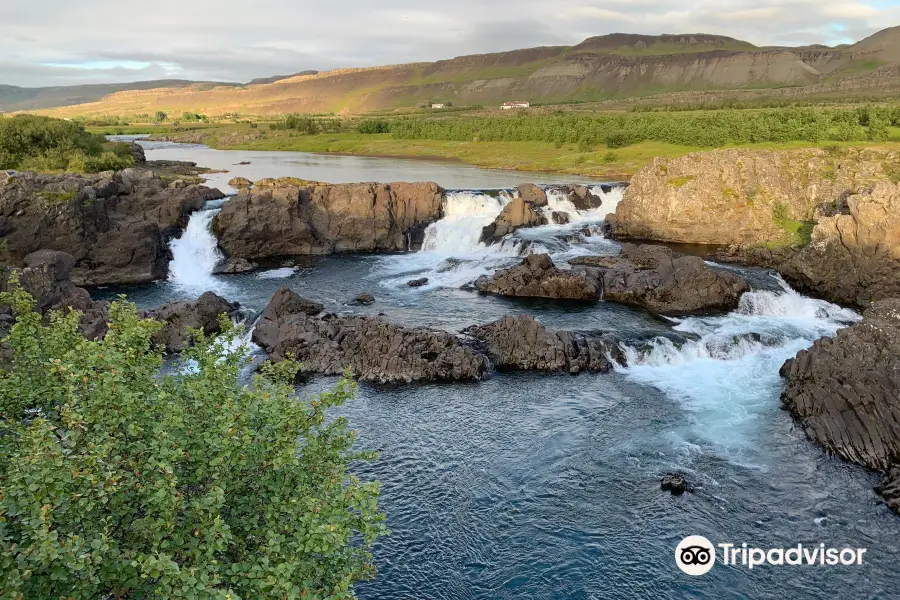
x: 597, y: 161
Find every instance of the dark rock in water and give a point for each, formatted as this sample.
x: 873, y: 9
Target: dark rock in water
x: 304, y: 218
x: 137, y: 153
x: 532, y: 194
x: 240, y: 182
x: 178, y: 317
x: 117, y: 228
x: 580, y: 196
x: 244, y: 162
x: 665, y: 282
x: 373, y: 349
x: 524, y: 344
x: 674, y: 483
x: 285, y: 302
x: 234, y: 266
x: 889, y: 490
x: 845, y: 392
x: 518, y: 214
x: 537, y: 277
x: 417, y: 282
x: 560, y: 218
x: 365, y: 299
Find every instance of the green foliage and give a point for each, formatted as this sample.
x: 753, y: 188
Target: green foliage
x: 117, y: 481
x: 190, y: 117
x: 160, y: 116
x: 681, y: 181
x: 610, y: 157
x: 29, y: 142
x: 617, y: 130
x: 368, y: 126
x: 798, y: 232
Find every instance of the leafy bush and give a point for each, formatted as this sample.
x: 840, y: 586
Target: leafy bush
x: 369, y: 126
x: 121, y: 482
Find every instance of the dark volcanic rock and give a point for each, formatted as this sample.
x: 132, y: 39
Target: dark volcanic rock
x: 674, y: 483
x: 285, y: 302
x: 316, y: 219
x: 116, y: 228
x: 655, y: 278
x: 517, y: 214
x: 373, y: 349
x: 47, y: 276
x: 235, y: 266
x: 137, y: 153
x: 845, y: 391
x: 178, y: 317
x: 537, y: 277
x: 524, y: 344
x: 365, y: 299
x: 417, y: 282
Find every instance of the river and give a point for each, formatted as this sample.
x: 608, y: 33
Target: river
x: 547, y: 486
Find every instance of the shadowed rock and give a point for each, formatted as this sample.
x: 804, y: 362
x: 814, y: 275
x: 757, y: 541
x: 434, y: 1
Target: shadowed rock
x: 116, y: 228
x: 178, y: 317
x: 373, y: 349
x: 845, y: 392
x: 517, y: 214
x: 521, y: 343
x: 537, y: 277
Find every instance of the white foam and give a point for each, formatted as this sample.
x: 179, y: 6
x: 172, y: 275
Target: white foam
x: 727, y: 376
x: 195, y: 255
x: 466, y: 213
x: 277, y: 273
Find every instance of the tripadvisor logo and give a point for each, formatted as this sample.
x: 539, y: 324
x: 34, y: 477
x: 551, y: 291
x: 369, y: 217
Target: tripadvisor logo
x: 696, y: 555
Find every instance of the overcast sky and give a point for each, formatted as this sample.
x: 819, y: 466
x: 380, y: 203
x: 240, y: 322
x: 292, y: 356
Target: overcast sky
x: 63, y: 42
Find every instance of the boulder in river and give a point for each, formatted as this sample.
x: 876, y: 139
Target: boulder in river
x: 415, y: 283
x: 663, y: 281
x: 845, y: 392
x: 373, y: 349
x: 365, y: 299
x: 178, y: 317
x: 234, y: 266
x: 522, y: 343
x: 517, y: 214
x: 532, y: 194
x: 537, y: 277
x: 311, y: 219
x: 286, y: 302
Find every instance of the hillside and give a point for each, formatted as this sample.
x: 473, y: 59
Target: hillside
x: 612, y: 66
x: 13, y: 98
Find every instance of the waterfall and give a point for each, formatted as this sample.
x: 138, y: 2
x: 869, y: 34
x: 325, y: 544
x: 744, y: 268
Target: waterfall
x: 466, y: 213
x: 195, y: 255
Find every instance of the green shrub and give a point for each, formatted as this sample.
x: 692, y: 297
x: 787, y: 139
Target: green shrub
x: 610, y: 157
x: 371, y: 126
x: 122, y: 481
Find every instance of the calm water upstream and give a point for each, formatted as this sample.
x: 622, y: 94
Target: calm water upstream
x: 547, y: 486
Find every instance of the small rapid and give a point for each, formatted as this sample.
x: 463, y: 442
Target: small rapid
x: 724, y: 370
x: 195, y: 256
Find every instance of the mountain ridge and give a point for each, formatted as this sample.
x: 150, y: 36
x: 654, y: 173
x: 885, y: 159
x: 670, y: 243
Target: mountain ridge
x: 610, y: 66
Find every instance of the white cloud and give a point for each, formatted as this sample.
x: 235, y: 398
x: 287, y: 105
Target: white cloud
x: 237, y: 40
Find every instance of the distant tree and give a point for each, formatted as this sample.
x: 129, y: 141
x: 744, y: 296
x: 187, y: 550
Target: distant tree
x: 121, y: 481
x: 160, y: 116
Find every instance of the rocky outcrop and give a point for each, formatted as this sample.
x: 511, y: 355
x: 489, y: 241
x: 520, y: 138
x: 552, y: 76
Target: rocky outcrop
x: 235, y: 266
x: 47, y: 278
x: 179, y: 317
x: 521, y: 343
x: 373, y: 349
x: 740, y: 196
x: 537, y: 277
x: 854, y: 254
x: 137, y: 153
x: 663, y: 281
x: 845, y: 392
x: 580, y: 196
x: 116, y: 226
x: 532, y: 194
x: 285, y: 303
x: 325, y: 219
x: 240, y: 182
x: 517, y: 214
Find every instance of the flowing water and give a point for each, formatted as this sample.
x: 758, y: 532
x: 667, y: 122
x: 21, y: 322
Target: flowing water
x: 547, y: 486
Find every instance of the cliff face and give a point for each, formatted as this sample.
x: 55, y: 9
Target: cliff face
x: 829, y: 222
x: 615, y: 65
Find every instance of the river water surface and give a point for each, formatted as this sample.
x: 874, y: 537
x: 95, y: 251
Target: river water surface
x: 547, y: 486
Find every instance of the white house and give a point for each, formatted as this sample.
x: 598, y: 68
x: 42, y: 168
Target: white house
x: 438, y: 105
x: 510, y: 105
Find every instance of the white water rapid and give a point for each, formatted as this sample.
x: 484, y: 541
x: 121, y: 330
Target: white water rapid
x: 725, y: 374
x: 195, y: 255
x: 453, y: 255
